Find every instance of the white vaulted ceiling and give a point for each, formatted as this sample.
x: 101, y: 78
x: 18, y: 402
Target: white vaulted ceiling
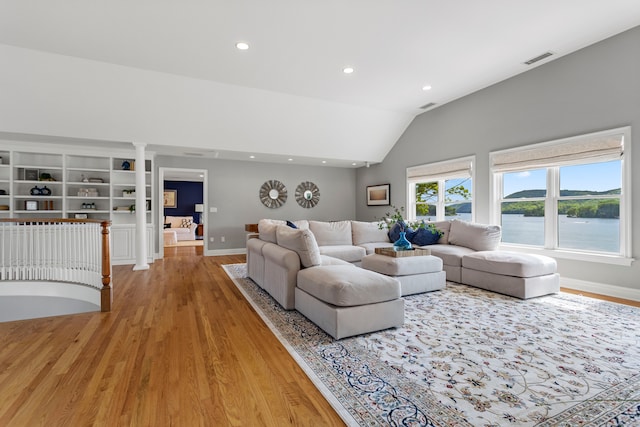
x: 286, y: 96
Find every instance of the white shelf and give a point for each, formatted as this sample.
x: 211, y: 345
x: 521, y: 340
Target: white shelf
x: 37, y: 211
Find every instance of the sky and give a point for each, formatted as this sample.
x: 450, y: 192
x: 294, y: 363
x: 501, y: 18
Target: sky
x: 595, y: 177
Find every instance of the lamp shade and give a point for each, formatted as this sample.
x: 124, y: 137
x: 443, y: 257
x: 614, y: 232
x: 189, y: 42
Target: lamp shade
x: 199, y: 207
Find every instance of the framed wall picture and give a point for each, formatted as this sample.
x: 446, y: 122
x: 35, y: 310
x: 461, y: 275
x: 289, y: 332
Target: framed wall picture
x: 31, y: 174
x: 170, y: 198
x: 31, y: 205
x: 379, y: 195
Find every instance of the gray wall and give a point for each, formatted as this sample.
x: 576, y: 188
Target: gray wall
x: 233, y: 188
x: 594, y: 89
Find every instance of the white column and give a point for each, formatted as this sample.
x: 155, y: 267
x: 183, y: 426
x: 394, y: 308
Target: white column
x: 141, y: 210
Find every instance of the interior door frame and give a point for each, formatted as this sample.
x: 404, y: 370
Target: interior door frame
x: 160, y: 204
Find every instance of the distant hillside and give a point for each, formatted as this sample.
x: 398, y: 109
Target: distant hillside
x: 525, y: 194
x: 582, y: 208
x: 464, y: 207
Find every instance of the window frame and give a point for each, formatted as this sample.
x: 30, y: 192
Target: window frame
x: 550, y: 247
x: 441, y: 179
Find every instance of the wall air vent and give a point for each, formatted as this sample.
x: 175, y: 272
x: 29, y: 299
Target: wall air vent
x: 538, y: 58
x: 429, y: 105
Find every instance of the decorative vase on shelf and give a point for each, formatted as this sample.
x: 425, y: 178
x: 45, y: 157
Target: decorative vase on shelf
x: 402, y: 244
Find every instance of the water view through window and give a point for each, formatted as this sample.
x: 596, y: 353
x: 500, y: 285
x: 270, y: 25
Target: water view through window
x: 588, y: 207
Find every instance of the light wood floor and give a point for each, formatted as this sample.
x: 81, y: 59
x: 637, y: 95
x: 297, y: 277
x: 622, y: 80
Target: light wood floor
x: 181, y: 347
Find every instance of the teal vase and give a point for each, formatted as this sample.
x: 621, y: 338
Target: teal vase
x: 402, y: 244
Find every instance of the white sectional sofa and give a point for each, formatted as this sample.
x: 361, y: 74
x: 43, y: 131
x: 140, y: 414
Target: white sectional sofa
x: 277, y: 261
x: 275, y: 268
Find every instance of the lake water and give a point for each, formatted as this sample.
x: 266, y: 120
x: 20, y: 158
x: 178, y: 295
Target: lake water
x: 594, y: 234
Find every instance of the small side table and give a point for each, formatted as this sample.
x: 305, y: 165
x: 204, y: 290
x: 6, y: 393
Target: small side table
x: 199, y: 231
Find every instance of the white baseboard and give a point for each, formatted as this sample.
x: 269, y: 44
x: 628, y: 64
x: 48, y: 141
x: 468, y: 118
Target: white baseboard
x: 600, y: 288
x: 217, y: 252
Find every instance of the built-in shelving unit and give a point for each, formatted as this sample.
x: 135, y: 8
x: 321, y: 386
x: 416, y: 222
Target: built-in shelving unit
x: 39, y: 182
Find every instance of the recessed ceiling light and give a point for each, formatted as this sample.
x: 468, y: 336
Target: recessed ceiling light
x: 252, y: 157
x: 291, y: 160
x: 348, y: 70
x: 353, y: 164
x: 242, y: 46
x: 426, y: 87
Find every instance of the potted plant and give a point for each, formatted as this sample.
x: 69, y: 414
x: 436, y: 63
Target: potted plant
x: 399, y: 227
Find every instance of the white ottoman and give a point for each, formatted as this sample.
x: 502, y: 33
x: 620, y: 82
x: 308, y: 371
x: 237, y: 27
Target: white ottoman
x: 416, y: 274
x: 170, y: 237
x: 345, y: 300
x: 511, y: 273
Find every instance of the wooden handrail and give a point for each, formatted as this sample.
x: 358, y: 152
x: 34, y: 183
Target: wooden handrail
x: 106, y: 295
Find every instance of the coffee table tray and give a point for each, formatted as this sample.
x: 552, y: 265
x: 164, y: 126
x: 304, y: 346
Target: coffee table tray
x: 398, y: 254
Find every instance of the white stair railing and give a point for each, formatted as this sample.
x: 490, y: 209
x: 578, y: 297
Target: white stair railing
x: 57, y: 250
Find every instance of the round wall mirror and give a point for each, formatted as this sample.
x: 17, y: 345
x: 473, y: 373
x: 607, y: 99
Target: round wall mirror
x: 273, y: 194
x: 307, y: 194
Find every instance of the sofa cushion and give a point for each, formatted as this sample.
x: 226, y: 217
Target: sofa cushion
x: 302, y: 224
x: 346, y: 285
x: 331, y: 233
x: 302, y: 242
x: 450, y: 254
x: 479, y: 237
x: 344, y: 252
x: 368, y: 232
x: 510, y: 263
x: 370, y: 248
x: 444, y: 227
x: 402, y: 266
x: 329, y: 260
x: 267, y: 229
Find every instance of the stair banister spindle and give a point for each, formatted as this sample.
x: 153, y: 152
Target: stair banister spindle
x: 57, y: 250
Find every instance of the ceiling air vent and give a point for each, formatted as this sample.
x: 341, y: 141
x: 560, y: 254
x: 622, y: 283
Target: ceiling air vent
x: 429, y: 105
x: 193, y: 154
x: 538, y: 58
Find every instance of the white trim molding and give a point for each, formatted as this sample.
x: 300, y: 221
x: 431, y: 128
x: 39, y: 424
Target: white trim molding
x: 600, y: 288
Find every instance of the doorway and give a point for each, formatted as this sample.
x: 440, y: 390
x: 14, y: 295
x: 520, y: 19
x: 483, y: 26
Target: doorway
x: 182, y: 219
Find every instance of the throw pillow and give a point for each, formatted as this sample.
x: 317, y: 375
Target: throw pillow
x: 409, y: 233
x: 167, y: 225
x: 291, y: 224
x: 394, y: 231
x: 425, y: 236
x: 303, y: 242
x: 186, y: 222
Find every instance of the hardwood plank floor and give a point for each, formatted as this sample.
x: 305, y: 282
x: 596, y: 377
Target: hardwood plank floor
x: 181, y: 347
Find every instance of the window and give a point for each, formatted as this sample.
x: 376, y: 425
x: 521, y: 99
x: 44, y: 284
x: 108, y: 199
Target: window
x: 443, y: 190
x: 566, y: 196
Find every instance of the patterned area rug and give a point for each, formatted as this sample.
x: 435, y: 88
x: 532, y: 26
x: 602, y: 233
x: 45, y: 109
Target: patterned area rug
x: 468, y: 357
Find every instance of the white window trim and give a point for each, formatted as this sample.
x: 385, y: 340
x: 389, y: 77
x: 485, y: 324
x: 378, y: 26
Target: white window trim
x: 551, y: 220
x: 443, y: 165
